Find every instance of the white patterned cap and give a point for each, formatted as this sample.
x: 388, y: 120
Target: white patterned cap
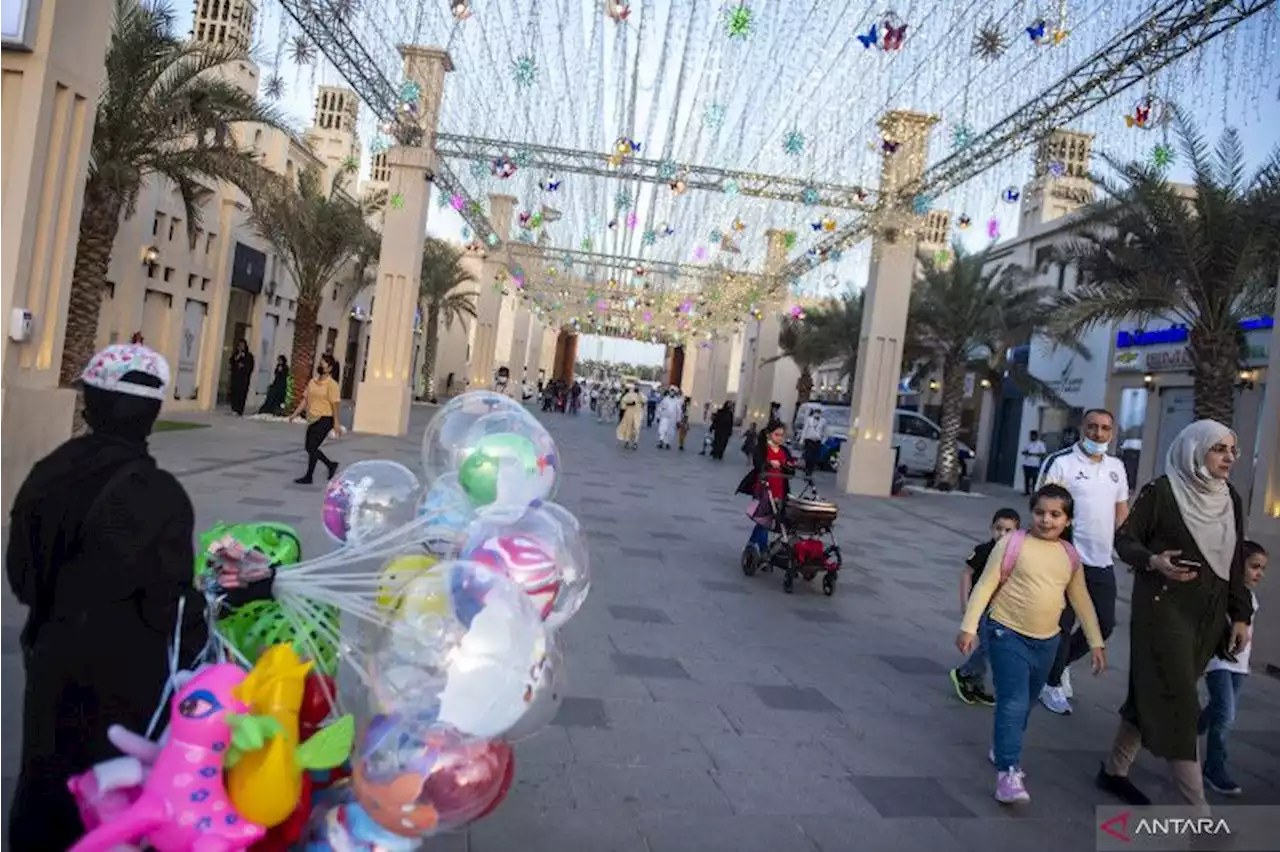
x: 109, y: 367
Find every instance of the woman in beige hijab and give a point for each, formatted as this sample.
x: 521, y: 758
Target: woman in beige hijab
x: 1183, y: 540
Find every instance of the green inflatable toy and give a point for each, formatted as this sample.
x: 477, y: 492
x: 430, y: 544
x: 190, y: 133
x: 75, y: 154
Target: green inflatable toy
x: 255, y: 627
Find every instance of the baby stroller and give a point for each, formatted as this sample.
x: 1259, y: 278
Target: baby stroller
x: 801, y: 538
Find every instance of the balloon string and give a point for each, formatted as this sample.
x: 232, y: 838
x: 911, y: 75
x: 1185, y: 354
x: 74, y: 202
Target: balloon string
x: 175, y: 657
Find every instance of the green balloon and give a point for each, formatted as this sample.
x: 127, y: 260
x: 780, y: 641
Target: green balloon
x: 478, y: 474
x: 255, y: 627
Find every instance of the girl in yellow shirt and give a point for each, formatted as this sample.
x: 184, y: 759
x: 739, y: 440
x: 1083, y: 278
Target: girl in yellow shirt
x: 1026, y: 602
x: 321, y: 400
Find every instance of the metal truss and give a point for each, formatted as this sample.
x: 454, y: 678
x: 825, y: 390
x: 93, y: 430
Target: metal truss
x: 323, y: 23
x: 1169, y: 33
x: 598, y: 260
x: 606, y: 164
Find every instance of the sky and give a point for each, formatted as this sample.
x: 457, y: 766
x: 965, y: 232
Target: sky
x: 655, y: 78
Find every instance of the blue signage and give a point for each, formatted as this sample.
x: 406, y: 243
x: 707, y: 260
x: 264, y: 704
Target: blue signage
x: 1180, y: 334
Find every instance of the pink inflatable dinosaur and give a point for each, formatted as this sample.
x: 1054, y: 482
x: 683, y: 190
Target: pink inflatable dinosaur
x: 184, y: 805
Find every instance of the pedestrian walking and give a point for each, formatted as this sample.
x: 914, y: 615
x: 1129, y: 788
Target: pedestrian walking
x: 682, y: 428
x: 651, y: 406
x: 1185, y: 542
x: 812, y: 434
x: 1099, y: 485
x: 969, y: 679
x: 721, y: 430
x: 1032, y: 460
x: 1024, y: 584
x: 631, y: 407
x: 241, y: 374
x: 668, y: 417
x: 322, y: 403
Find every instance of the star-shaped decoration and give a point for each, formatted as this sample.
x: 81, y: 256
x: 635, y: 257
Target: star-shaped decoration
x: 478, y: 169
x: 1162, y: 156
x: 667, y: 170
x: 793, y: 143
x: 835, y: 254
x: 523, y: 158
x: 525, y: 71
x: 649, y: 238
x: 410, y: 92
x: 586, y: 244
x: 941, y: 256
x: 301, y: 51
x: 715, y: 236
x: 273, y: 88
x: 922, y: 204
x: 442, y: 201
x: 475, y: 208
x: 730, y: 188
x: 492, y: 239
x: 990, y: 42
x: 739, y: 21
x: 810, y: 197
x: 713, y: 116
x: 962, y: 136
x: 623, y: 200
x: 397, y: 201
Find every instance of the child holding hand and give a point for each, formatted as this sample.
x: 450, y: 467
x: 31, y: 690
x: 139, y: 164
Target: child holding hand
x: 1024, y: 583
x: 969, y: 679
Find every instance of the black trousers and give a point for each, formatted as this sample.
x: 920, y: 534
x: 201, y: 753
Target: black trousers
x: 1101, y: 582
x: 317, y: 431
x: 812, y: 454
x: 1030, y: 473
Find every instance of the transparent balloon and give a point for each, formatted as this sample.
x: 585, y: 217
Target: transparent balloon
x: 464, y: 649
x: 397, y: 573
x: 548, y: 693
x: 549, y: 461
x: 417, y: 778
x: 547, y: 528
x: 444, y: 434
x: 527, y: 561
x: 369, y: 499
x: 444, y: 513
x: 507, y: 463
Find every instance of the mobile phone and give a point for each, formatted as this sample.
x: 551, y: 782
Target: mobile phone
x: 1189, y: 564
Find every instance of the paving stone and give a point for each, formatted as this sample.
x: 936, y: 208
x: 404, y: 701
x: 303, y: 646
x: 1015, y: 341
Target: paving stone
x: 909, y: 797
x: 795, y: 698
x: 914, y: 665
x: 646, y: 789
x: 260, y: 501
x: 637, y: 665
x: 645, y: 552
x: 820, y: 616
x: 671, y: 536
x: 872, y: 833
x: 577, y: 712
x: 740, y: 833
x: 727, y: 586
x: 241, y: 474
x: 555, y: 830
x: 640, y: 748
x: 640, y: 614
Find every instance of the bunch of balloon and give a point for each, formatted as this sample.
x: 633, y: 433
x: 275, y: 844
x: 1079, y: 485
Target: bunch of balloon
x: 451, y: 589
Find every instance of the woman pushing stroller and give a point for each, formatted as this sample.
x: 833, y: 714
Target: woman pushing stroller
x: 767, y: 480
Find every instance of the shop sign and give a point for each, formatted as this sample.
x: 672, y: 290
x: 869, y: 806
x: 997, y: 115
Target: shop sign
x: 1174, y: 359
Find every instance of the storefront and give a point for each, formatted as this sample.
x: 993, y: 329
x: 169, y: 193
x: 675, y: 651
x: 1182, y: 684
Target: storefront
x: 1151, y: 391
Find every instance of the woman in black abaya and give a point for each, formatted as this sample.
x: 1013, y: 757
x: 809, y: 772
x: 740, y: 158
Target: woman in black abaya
x: 241, y: 374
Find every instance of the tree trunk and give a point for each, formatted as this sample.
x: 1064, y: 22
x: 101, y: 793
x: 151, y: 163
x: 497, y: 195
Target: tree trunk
x: 1215, y: 363
x: 429, y: 347
x: 304, y: 344
x: 99, y: 223
x: 947, y: 472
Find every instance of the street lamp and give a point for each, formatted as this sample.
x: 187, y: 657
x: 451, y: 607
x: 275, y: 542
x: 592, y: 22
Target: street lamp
x: 150, y: 255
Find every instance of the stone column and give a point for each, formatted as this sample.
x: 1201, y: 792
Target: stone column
x: 490, y: 304
x: 54, y: 89
x: 764, y: 383
x: 866, y: 463
x: 1264, y: 510
x: 385, y: 395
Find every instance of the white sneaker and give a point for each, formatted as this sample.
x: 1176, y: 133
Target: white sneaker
x: 1066, y: 684
x: 1054, y: 700
x: 991, y: 755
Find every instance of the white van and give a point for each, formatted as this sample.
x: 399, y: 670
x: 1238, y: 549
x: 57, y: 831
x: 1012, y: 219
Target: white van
x: 915, y: 437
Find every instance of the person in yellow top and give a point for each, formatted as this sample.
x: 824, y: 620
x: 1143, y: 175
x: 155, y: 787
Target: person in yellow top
x: 1026, y: 602
x: 321, y: 400
x: 632, y: 406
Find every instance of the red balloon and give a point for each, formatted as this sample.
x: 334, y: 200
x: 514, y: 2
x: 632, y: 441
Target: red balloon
x: 319, y: 693
x: 468, y: 781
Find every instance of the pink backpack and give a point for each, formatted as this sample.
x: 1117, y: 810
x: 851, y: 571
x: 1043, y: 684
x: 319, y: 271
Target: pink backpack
x: 1014, y: 547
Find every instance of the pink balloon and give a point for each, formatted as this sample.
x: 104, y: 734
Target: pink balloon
x: 468, y: 781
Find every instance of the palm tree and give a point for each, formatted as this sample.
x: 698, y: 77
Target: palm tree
x: 808, y: 344
x: 839, y: 322
x: 315, y: 232
x: 1204, y: 258
x: 163, y: 113
x: 965, y: 315
x: 442, y: 274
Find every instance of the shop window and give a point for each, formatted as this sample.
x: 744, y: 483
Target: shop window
x: 151, y: 270
x: 174, y: 225
x: 204, y: 284
x: 156, y: 224
x: 168, y: 274
x: 191, y: 281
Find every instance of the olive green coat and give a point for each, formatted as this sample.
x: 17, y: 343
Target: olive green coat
x: 1174, y: 627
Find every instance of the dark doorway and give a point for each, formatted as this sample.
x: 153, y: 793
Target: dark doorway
x: 351, y: 358
x: 1004, y: 439
x: 676, y: 376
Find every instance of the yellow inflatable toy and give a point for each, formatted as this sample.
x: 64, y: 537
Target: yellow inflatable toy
x: 397, y: 574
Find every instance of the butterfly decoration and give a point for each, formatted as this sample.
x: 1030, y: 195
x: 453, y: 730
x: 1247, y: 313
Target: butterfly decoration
x: 1011, y: 195
x: 618, y: 10
x: 525, y: 218
x: 1037, y: 32
x: 613, y: 224
x: 993, y: 229
x: 1060, y: 35
x: 894, y: 36
x: 457, y: 202
x: 626, y: 146
x: 871, y: 39
x: 964, y: 222
x: 739, y: 225
x: 641, y: 270
x: 1140, y: 118
x: 461, y: 10
x: 666, y: 230
x: 632, y: 221
x: 889, y: 147
x: 549, y: 185
x: 1056, y: 169
x: 860, y: 194
x: 827, y: 224
x: 700, y: 253
x: 678, y: 186
x: 503, y: 167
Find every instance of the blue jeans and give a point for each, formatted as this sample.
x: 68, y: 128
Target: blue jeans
x: 1218, y: 718
x: 760, y: 537
x: 975, y: 666
x: 1019, y: 668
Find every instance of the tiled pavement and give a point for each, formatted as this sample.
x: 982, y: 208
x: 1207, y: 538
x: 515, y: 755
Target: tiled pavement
x: 709, y: 711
